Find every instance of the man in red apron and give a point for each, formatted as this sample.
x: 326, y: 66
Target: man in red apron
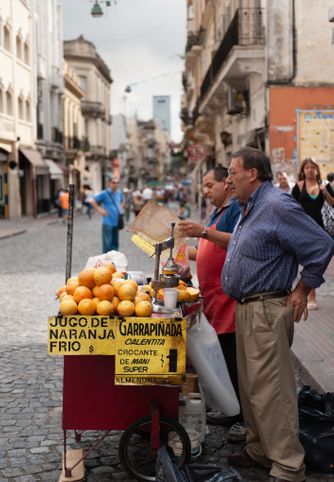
x: 210, y: 256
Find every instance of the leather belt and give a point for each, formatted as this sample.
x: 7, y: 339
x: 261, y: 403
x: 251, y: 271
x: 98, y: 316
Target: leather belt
x: 263, y: 296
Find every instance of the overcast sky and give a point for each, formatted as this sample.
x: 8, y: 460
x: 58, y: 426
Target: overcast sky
x: 139, y: 40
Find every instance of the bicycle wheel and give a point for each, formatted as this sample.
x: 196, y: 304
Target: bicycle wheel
x: 135, y: 451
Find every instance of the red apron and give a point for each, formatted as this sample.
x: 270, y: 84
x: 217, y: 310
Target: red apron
x: 218, y: 307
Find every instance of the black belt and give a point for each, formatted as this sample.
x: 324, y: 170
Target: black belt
x: 263, y: 296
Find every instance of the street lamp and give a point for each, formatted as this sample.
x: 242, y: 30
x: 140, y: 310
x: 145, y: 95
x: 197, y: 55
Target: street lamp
x: 96, y: 10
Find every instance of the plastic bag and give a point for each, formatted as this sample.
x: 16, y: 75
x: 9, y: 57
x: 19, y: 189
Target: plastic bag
x: 119, y: 260
x: 316, y: 433
x: 206, y: 356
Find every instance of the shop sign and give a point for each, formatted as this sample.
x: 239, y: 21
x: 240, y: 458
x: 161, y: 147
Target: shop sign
x: 150, y: 351
x: 81, y: 335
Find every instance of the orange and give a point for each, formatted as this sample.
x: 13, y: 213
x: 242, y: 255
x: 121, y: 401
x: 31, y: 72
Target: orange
x: 106, y: 292
x: 115, y: 302
x: 126, y: 291
x: 105, y: 308
x: 111, y: 267
x: 194, y: 293
x: 102, y: 275
x: 68, y: 307
x: 141, y: 296
x: 96, y: 291
x: 65, y: 296
x: 86, y: 277
x: 117, y: 283
x: 118, y: 274
x: 143, y: 308
x: 61, y: 291
x: 81, y: 293
x: 132, y: 282
x: 96, y: 300
x: 183, y: 295
x: 87, y: 307
x: 72, y: 284
x: 126, y: 308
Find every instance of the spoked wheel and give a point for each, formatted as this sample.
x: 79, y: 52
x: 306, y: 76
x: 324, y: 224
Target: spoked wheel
x: 135, y: 451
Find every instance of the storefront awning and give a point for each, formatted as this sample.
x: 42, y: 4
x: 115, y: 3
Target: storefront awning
x: 36, y: 160
x: 55, y: 171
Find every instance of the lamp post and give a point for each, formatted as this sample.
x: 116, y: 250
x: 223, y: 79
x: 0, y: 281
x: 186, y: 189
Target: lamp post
x: 96, y: 10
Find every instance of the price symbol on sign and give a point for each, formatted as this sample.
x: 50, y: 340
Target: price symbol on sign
x: 91, y: 349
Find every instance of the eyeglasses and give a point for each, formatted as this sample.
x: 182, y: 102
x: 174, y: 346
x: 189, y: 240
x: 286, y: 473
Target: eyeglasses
x: 114, y: 182
x: 234, y: 173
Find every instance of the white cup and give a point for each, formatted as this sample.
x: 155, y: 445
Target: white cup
x: 170, y: 297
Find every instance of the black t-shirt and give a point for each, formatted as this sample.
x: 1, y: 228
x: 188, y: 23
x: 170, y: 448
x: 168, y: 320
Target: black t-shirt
x: 312, y: 206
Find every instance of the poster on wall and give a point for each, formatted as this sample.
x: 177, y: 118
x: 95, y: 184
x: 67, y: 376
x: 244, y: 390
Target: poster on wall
x: 315, y: 138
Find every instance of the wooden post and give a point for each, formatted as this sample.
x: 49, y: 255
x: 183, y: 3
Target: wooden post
x: 69, y: 242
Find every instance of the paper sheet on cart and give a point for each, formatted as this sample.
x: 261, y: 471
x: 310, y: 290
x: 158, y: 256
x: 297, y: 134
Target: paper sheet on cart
x: 150, y: 351
x: 152, y: 225
x: 81, y: 335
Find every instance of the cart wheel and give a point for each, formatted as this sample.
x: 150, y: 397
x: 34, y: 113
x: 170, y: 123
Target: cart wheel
x: 136, y: 453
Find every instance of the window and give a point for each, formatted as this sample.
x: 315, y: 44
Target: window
x: 6, y: 38
x: 9, y: 103
x: 20, y: 107
x: 26, y: 53
x: 83, y: 82
x: 18, y: 47
x: 28, y: 111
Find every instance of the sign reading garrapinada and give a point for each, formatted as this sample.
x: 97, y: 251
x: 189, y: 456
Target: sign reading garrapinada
x: 81, y: 335
x: 150, y: 351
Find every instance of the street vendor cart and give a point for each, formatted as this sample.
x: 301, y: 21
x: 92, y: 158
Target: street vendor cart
x: 124, y: 373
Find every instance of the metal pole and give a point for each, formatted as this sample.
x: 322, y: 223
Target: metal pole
x: 69, y: 242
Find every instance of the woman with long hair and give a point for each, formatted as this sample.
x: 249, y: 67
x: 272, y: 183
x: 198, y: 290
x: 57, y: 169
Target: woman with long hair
x: 310, y: 193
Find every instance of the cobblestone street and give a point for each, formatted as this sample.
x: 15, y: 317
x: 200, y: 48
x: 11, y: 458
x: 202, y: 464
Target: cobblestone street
x: 32, y: 267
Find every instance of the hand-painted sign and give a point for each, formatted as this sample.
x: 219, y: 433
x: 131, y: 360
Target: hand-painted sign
x: 150, y: 351
x: 81, y: 335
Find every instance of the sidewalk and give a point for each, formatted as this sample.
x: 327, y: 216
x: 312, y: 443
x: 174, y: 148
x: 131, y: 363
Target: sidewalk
x: 313, y: 346
x: 14, y: 228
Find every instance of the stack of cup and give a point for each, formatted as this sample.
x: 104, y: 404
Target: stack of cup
x: 170, y: 297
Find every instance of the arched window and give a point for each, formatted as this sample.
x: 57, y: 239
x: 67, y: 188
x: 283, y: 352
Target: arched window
x: 6, y: 38
x: 20, y: 107
x: 26, y: 52
x: 28, y: 110
x: 9, y: 103
x: 18, y: 46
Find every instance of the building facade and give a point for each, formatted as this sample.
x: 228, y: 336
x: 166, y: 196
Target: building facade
x: 255, y: 71
x: 95, y: 79
x: 17, y: 121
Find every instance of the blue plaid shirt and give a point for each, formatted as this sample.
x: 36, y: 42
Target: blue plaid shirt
x: 270, y: 241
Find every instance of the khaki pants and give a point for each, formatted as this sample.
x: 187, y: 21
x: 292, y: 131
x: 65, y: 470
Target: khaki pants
x: 267, y: 386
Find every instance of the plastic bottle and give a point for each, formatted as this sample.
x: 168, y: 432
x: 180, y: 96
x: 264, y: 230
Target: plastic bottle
x: 192, y: 415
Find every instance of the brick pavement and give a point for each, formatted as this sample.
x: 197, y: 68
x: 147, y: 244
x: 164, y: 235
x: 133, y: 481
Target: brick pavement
x: 31, y: 268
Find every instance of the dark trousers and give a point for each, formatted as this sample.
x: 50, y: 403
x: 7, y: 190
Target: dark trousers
x: 228, y: 346
x: 109, y: 238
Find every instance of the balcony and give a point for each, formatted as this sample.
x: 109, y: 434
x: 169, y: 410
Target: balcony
x: 92, y: 109
x: 195, y: 39
x: 243, y: 41
x: 72, y: 143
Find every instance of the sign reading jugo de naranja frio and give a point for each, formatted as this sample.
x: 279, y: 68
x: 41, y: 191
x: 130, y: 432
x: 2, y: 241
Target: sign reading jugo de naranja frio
x: 148, y: 351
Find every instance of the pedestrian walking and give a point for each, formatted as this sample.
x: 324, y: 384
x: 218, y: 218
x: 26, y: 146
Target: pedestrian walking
x: 283, y: 182
x: 273, y: 237
x: 57, y: 203
x: 87, y: 197
x: 309, y: 192
x: 64, y: 199
x: 109, y: 203
x: 218, y: 307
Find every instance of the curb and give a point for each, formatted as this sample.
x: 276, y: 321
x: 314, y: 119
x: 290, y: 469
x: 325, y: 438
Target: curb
x: 13, y: 233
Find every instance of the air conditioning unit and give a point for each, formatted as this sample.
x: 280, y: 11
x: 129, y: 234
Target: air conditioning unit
x: 237, y: 101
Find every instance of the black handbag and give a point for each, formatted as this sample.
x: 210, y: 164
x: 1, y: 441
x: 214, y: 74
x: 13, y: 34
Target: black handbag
x: 120, y: 224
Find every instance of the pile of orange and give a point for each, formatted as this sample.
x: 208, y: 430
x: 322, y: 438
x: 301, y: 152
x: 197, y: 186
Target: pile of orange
x: 103, y: 291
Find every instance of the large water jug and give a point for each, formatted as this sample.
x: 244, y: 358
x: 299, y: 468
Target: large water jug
x: 192, y: 415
